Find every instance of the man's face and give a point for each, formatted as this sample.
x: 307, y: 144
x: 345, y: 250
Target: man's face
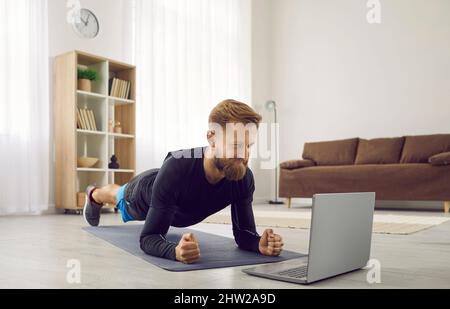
x: 232, y: 151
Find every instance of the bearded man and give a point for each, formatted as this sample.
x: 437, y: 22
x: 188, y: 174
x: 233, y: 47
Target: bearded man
x: 191, y: 185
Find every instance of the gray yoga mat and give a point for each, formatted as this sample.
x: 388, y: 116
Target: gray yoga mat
x: 217, y: 251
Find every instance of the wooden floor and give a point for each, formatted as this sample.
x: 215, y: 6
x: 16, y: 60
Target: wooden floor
x: 35, y: 250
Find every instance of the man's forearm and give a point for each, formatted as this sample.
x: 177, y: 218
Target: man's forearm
x: 157, y: 245
x: 247, y: 240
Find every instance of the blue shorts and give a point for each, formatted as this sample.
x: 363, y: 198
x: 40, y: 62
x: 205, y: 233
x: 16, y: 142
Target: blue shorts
x: 121, y: 204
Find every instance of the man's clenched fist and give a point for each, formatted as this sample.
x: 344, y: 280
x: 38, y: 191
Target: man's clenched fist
x: 270, y: 244
x: 187, y: 250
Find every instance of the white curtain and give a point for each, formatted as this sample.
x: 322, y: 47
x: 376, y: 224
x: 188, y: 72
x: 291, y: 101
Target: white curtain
x: 190, y: 55
x: 24, y: 107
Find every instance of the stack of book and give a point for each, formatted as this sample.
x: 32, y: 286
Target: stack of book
x: 119, y: 88
x: 86, y: 119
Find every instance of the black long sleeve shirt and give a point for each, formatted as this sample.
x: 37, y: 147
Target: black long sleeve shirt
x: 181, y: 196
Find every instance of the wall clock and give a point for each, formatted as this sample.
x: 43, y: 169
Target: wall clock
x: 87, y: 26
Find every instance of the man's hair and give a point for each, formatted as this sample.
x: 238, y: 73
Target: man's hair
x: 234, y: 111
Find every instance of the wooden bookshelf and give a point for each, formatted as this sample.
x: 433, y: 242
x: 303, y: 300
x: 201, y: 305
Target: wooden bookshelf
x: 72, y: 142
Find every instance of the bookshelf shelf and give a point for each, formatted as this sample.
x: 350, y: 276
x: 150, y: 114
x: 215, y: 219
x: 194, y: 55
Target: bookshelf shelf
x: 102, y: 170
x: 120, y: 171
x: 85, y: 94
x: 85, y: 169
x: 118, y: 135
x: 91, y: 132
x: 72, y: 140
x: 119, y: 101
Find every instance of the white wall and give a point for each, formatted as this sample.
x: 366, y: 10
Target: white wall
x: 336, y: 76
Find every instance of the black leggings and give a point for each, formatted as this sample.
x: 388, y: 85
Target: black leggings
x: 137, y: 193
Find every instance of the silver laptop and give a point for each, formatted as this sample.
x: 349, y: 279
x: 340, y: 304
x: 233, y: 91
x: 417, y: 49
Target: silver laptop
x: 340, y: 239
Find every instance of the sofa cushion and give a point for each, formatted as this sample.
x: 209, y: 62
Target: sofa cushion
x: 440, y: 159
x: 339, y: 152
x: 293, y: 164
x: 417, y: 149
x: 379, y: 150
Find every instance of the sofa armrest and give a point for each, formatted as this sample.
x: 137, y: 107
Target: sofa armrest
x: 295, y: 164
x: 440, y: 159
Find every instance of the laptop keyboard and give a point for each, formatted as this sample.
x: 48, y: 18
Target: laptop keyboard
x: 298, y: 272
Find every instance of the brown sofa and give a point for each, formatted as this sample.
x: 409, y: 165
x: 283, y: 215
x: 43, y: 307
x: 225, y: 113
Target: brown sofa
x: 401, y: 168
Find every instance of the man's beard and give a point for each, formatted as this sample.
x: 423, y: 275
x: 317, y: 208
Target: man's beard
x: 233, y: 169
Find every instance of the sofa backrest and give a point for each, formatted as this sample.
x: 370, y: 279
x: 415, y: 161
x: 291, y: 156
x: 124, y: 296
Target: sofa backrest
x: 340, y: 152
x: 417, y: 149
x: 407, y: 149
x: 379, y: 150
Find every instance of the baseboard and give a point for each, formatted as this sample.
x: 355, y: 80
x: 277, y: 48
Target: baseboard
x: 401, y: 205
x: 297, y: 201
x: 50, y: 211
x: 409, y: 205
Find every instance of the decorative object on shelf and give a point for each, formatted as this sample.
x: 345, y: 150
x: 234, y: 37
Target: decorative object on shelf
x: 118, y: 128
x: 85, y: 78
x: 111, y: 126
x: 113, y: 164
x: 85, y: 23
x: 86, y: 162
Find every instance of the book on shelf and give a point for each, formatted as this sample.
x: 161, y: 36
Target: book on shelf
x: 122, y: 83
x: 119, y: 93
x: 119, y: 88
x: 82, y: 122
x: 118, y: 85
x: 124, y: 87
x: 79, y: 125
x: 127, y: 90
x: 86, y: 119
x: 95, y: 122
x: 92, y: 120
x: 110, y: 84
x: 113, y: 87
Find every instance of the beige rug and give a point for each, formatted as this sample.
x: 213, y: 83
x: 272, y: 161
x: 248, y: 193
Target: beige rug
x: 383, y: 223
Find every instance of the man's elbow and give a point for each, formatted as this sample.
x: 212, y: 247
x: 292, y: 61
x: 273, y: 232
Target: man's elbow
x: 241, y: 244
x: 246, y: 243
x: 142, y: 244
x: 147, y: 244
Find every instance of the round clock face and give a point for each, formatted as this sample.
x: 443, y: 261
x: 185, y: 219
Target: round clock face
x: 87, y: 25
